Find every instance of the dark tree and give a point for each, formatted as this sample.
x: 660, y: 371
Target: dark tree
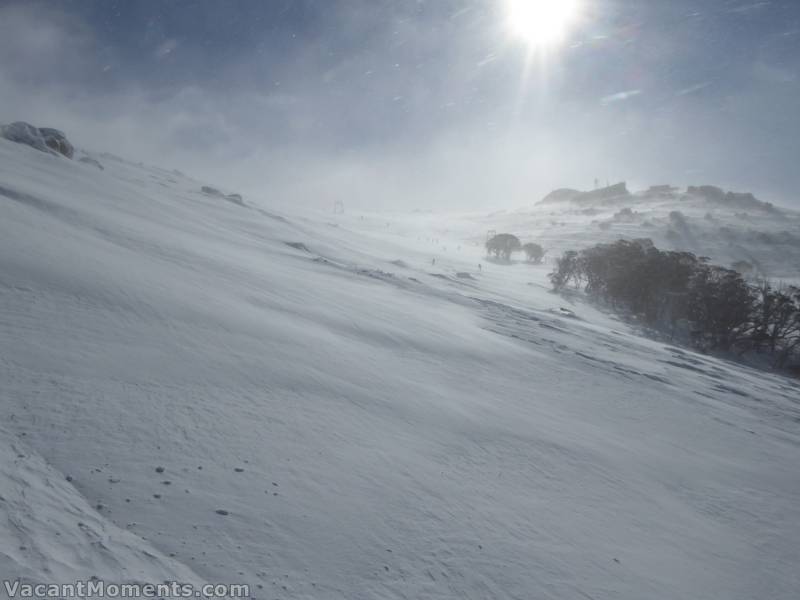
x: 776, y: 322
x: 503, y: 245
x: 720, y: 305
x: 678, y: 293
x: 533, y: 252
x: 568, y: 269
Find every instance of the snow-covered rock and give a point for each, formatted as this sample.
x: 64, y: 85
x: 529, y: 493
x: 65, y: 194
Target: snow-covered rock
x: 561, y: 195
x: 44, y: 139
x: 56, y: 140
x: 212, y: 191
x: 91, y: 161
x: 612, y: 193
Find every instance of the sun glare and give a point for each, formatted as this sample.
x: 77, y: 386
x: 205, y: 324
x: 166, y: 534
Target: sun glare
x: 541, y: 22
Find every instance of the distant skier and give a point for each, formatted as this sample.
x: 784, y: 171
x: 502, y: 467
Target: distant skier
x: 480, y: 267
x: 433, y: 261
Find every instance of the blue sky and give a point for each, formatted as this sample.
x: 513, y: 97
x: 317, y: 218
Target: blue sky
x: 420, y: 102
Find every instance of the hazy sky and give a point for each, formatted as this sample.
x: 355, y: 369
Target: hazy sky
x: 416, y: 103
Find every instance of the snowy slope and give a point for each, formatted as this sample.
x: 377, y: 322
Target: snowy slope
x: 50, y: 533
x: 373, y: 425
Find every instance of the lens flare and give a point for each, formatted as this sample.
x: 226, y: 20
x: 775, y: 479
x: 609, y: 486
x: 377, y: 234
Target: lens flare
x: 541, y: 22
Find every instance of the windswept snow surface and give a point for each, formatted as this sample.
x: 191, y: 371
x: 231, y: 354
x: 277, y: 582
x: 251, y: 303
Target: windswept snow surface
x: 51, y: 534
x: 369, y: 425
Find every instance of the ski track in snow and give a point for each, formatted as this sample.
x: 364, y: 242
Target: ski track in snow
x: 369, y: 424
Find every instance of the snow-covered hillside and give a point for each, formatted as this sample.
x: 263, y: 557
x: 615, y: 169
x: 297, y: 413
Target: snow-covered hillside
x: 727, y: 230
x: 195, y: 389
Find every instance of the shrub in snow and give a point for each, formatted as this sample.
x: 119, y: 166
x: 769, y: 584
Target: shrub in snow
x: 503, y: 245
x: 664, y: 290
x: 775, y: 326
x: 719, y: 304
x: 533, y: 252
x: 44, y: 139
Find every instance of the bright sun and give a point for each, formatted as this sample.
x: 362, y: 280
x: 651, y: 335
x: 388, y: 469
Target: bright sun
x: 541, y: 22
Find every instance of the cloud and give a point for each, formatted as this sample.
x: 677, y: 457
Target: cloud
x: 620, y: 96
x: 165, y: 48
x: 692, y: 89
x: 39, y: 43
x: 392, y: 111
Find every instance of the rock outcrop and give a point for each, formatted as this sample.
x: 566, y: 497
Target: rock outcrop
x: 56, y: 140
x: 44, y: 139
x: 561, y: 195
x: 211, y: 191
x: 711, y: 193
x: 614, y: 192
x: 741, y: 200
x: 91, y: 161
